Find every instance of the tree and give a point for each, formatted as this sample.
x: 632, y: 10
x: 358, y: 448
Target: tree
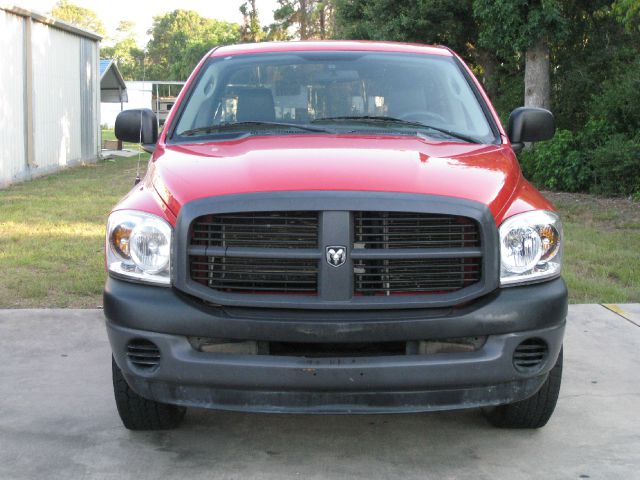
x: 438, y: 22
x: 275, y: 32
x: 80, y: 17
x: 179, y: 39
x: 628, y: 11
x: 525, y: 28
x: 251, y: 31
x: 125, y: 52
x: 325, y: 19
x: 311, y: 19
x: 447, y: 22
x: 594, y: 52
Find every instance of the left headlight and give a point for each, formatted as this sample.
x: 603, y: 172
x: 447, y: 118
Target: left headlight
x: 530, y: 247
x: 138, y: 247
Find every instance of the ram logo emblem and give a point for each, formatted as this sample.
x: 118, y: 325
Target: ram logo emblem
x: 336, y: 255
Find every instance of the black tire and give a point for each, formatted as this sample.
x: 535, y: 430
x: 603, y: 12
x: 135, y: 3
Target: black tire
x: 138, y: 413
x: 535, y: 411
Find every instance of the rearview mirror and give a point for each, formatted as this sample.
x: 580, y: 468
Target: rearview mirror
x: 138, y: 125
x: 529, y: 124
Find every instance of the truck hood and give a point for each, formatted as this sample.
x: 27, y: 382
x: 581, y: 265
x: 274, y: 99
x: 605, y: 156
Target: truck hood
x: 484, y: 173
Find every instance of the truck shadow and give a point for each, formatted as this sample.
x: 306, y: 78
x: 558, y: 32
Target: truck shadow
x: 318, y: 443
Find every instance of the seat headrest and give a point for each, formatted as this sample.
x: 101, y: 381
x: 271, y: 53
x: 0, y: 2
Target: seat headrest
x: 255, y: 104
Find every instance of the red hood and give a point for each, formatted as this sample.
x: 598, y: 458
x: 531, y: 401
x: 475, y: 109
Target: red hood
x: 485, y: 173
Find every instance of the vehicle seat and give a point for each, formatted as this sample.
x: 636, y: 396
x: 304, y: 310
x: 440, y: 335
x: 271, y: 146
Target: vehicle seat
x: 405, y: 101
x: 255, y: 104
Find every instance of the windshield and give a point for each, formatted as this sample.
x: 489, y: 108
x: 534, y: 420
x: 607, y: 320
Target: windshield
x: 333, y: 92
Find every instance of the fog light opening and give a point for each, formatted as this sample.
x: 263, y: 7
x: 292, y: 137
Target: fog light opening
x: 143, y: 354
x: 530, y: 355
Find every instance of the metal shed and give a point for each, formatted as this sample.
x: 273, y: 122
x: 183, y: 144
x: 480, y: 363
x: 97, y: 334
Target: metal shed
x: 49, y: 95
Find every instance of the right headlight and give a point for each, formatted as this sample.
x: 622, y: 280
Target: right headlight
x: 139, y: 247
x: 530, y: 247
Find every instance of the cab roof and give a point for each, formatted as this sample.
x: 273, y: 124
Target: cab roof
x: 330, y: 45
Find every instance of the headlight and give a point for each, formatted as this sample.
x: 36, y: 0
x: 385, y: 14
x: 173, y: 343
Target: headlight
x: 139, y: 247
x: 530, y: 247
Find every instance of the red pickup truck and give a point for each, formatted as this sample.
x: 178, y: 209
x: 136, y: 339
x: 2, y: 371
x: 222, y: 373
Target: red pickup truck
x: 334, y: 227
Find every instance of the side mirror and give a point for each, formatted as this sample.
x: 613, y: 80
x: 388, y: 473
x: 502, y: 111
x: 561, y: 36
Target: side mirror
x: 138, y: 125
x: 529, y: 124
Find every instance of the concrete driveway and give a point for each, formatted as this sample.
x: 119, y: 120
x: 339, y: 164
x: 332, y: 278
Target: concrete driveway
x: 58, y: 419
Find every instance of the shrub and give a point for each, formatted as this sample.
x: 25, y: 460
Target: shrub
x: 596, y: 160
x: 617, y: 103
x: 600, y: 156
x: 615, y: 166
x: 558, y: 164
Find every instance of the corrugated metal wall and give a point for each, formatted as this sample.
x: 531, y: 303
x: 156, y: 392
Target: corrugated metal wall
x: 12, y: 98
x: 65, y: 98
x: 89, y: 102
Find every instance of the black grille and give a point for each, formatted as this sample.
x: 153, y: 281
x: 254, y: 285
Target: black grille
x: 143, y: 354
x: 257, y: 229
x: 279, y: 255
x: 530, y: 354
x: 256, y: 275
x: 427, y: 276
x: 414, y: 230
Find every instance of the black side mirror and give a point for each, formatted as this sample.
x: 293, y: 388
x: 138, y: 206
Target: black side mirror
x: 529, y: 124
x: 138, y: 125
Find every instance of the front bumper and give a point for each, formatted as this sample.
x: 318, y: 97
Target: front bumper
x: 403, y: 383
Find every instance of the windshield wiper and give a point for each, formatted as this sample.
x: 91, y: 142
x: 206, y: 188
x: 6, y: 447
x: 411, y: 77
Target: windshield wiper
x: 222, y: 127
x: 398, y: 121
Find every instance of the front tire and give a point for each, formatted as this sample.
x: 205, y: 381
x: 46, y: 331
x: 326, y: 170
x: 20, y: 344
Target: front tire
x: 138, y: 413
x: 533, y: 412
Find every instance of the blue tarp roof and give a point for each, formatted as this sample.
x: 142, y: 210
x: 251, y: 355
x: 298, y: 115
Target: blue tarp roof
x: 104, y: 64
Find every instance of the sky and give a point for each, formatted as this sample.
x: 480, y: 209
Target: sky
x: 143, y: 11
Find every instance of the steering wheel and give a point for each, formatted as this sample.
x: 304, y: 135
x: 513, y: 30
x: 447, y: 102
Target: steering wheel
x: 424, y: 117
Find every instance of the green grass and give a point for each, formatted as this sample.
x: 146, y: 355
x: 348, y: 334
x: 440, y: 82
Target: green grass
x: 602, y: 249
x: 108, y: 134
x: 52, y: 235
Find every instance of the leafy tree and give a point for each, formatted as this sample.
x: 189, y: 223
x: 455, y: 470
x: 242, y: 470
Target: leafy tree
x: 310, y: 19
x: 525, y: 28
x: 78, y: 16
x: 180, y: 38
x: 251, y: 31
x: 438, y: 22
x: 125, y: 52
x: 595, y: 51
x: 448, y: 22
x: 324, y: 17
x: 628, y: 11
x: 275, y: 32
x: 617, y: 103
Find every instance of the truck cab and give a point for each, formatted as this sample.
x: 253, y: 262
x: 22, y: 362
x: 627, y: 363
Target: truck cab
x: 334, y: 227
